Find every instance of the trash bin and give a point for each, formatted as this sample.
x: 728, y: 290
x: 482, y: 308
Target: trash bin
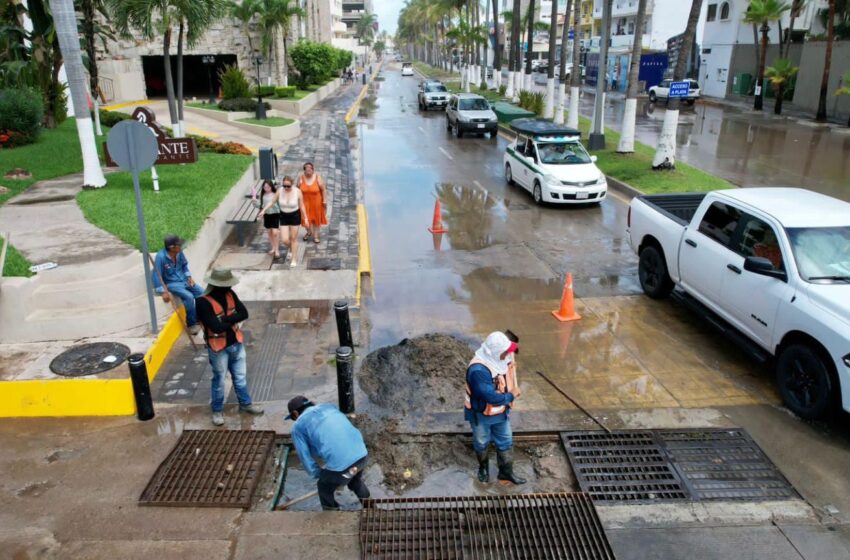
x: 741, y: 83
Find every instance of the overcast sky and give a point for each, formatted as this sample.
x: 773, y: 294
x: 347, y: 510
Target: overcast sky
x: 387, y: 11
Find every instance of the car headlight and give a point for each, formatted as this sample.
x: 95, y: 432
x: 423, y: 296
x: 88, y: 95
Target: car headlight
x: 551, y: 179
x: 601, y: 180
x: 463, y: 118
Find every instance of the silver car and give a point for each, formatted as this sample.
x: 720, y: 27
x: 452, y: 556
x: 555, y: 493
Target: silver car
x: 471, y: 113
x: 432, y: 94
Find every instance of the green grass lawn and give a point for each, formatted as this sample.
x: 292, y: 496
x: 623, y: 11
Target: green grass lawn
x: 299, y: 94
x: 433, y: 72
x: 200, y: 105
x: 636, y: 169
x: 16, y: 264
x: 269, y: 121
x: 491, y: 96
x: 188, y: 194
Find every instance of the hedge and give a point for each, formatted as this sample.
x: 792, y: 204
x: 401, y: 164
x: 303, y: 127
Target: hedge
x: 285, y: 91
x: 240, y: 104
x: 21, y: 112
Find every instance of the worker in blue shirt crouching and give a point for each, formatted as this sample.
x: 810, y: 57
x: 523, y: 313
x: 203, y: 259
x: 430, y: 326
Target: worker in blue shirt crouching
x: 323, y: 432
x: 491, y: 388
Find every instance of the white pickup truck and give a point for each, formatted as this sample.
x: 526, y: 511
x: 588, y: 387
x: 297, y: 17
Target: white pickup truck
x: 768, y: 266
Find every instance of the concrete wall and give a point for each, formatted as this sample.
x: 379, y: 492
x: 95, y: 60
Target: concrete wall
x: 809, y: 79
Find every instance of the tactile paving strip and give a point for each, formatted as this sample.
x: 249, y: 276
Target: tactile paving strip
x: 533, y: 526
x: 212, y: 468
x: 665, y: 465
x: 264, y: 369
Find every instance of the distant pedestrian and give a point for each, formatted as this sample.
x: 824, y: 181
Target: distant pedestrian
x: 220, y: 312
x: 315, y: 201
x: 293, y: 215
x: 270, y: 213
x: 172, y: 278
x: 323, y: 432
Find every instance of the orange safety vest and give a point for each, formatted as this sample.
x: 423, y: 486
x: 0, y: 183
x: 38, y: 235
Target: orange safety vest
x: 218, y: 341
x: 504, y: 384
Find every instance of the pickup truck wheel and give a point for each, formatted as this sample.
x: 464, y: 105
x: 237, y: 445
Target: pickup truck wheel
x: 537, y: 193
x: 652, y: 273
x: 509, y: 176
x: 804, y: 381
x: 652, y: 96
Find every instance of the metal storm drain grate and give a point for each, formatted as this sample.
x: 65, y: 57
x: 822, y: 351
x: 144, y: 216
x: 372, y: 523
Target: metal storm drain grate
x: 663, y: 465
x: 533, y: 526
x: 622, y: 467
x: 214, y: 468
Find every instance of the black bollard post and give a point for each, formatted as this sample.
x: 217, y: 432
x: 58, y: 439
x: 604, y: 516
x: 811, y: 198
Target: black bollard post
x: 345, y: 379
x: 364, y: 78
x: 141, y: 386
x: 343, y: 324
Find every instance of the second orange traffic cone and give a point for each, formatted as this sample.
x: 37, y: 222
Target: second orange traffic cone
x: 567, y: 312
x: 437, y: 224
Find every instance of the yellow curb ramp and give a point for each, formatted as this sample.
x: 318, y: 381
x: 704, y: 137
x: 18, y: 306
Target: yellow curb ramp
x: 364, y: 260
x: 85, y: 397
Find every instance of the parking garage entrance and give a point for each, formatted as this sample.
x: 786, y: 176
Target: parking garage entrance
x: 196, y: 75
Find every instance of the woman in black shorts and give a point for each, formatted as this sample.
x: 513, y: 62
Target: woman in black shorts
x: 270, y: 211
x: 292, y: 214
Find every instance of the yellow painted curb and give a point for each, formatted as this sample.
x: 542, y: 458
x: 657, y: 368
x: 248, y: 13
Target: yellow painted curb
x: 364, y: 265
x: 125, y: 104
x: 350, y: 114
x: 85, y: 397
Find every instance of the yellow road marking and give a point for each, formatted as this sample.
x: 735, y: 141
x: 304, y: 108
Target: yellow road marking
x: 364, y: 261
x: 125, y: 104
x: 206, y: 133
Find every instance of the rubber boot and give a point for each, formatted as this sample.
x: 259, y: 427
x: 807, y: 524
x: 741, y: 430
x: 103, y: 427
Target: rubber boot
x: 506, y: 467
x: 483, y: 465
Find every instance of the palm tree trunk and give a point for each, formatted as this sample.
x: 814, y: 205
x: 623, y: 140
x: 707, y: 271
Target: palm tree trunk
x: 665, y: 153
x: 511, y: 92
x: 562, y: 69
x: 65, y: 23
x: 575, y: 76
x: 169, y: 79
x: 549, y: 109
x: 827, y: 62
x: 758, y: 102
x: 627, y: 136
x: 597, y: 138
x: 87, y: 11
x: 178, y: 132
x: 777, y: 107
x: 497, y: 52
x: 285, y: 80
x: 757, y: 45
x: 529, y: 51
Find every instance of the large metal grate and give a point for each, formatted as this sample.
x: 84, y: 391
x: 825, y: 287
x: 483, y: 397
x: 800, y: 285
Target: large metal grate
x: 214, y: 468
x: 533, y: 526
x: 663, y: 465
x: 623, y: 467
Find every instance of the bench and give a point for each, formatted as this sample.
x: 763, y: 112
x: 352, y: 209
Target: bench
x: 245, y: 215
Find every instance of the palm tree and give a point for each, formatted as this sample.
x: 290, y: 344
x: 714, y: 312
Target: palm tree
x: 516, y: 24
x: 549, y: 110
x: 827, y: 62
x: 761, y: 13
x: 149, y: 17
x: 65, y: 23
x: 780, y: 74
x: 93, y: 28
x: 845, y: 89
x: 244, y: 12
x: 665, y: 153
x: 529, y: 52
x: 562, y: 70
x: 497, y: 54
x: 276, y: 17
x: 366, y: 31
x: 575, y: 73
x: 627, y: 135
x: 796, y: 7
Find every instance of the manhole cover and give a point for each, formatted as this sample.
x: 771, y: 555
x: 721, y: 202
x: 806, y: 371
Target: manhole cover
x: 89, y: 359
x: 212, y: 468
x: 534, y: 526
x: 324, y: 263
x: 659, y: 465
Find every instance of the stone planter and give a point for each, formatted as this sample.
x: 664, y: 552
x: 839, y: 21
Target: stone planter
x: 277, y: 133
x: 301, y: 106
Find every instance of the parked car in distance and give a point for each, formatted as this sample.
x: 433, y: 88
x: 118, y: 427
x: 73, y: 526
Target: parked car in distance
x: 406, y: 69
x: 662, y: 91
x: 768, y: 267
x: 432, y: 94
x: 470, y: 113
x: 549, y: 161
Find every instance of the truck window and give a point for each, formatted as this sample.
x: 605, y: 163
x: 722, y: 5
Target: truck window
x: 759, y: 240
x: 720, y: 222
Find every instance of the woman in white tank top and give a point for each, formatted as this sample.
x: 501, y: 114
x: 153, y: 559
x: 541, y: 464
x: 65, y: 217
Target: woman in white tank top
x: 292, y: 215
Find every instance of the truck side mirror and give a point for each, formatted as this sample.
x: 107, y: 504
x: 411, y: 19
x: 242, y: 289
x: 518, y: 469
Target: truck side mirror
x: 763, y: 266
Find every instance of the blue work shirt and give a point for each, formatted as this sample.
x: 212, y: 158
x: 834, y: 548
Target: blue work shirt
x: 171, y: 272
x: 323, y: 432
x: 484, y: 392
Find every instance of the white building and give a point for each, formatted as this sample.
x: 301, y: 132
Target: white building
x: 727, y: 39
x: 664, y: 19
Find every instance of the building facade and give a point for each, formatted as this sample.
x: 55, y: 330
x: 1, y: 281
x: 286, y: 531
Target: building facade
x: 664, y: 19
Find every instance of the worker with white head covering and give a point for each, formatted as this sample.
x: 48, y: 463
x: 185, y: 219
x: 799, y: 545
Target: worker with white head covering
x: 490, y: 389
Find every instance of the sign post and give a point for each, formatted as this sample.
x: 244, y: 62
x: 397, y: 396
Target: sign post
x: 135, y: 149
x: 679, y: 89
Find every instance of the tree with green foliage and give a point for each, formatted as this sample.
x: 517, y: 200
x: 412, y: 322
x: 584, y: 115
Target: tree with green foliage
x: 762, y: 13
x: 276, y: 17
x: 779, y: 74
x: 365, y: 31
x: 244, y: 12
x: 845, y: 89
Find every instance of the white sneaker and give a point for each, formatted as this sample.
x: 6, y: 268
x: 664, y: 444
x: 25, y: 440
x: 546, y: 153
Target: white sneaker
x: 292, y: 264
x: 217, y: 419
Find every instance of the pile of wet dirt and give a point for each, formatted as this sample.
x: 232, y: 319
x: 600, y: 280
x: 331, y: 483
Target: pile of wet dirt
x: 416, y: 373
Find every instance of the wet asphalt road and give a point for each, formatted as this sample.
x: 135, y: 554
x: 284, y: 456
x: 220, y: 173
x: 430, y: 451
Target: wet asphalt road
x: 499, y: 243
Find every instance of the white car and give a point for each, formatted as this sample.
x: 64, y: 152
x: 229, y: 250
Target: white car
x: 549, y: 161
x: 406, y: 69
x: 768, y: 267
x: 662, y: 91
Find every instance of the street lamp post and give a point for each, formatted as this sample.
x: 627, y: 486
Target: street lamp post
x: 209, y: 61
x: 261, y: 109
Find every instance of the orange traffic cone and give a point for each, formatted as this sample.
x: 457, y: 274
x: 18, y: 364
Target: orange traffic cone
x: 567, y: 312
x: 437, y: 224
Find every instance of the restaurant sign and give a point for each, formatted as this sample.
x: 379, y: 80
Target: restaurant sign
x: 170, y: 150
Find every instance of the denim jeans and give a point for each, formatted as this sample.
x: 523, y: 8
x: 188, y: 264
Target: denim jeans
x: 329, y: 481
x: 499, y: 433
x: 187, y: 295
x: 231, y: 358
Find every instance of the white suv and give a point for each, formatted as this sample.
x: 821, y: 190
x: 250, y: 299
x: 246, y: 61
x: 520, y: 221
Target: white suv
x: 471, y: 113
x: 662, y: 91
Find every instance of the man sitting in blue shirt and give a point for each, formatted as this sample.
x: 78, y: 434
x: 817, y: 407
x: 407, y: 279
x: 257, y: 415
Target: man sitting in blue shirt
x: 173, y: 268
x: 325, y: 433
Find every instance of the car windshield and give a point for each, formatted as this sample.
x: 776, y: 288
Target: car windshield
x: 822, y: 253
x: 431, y: 88
x: 474, y: 105
x: 562, y: 153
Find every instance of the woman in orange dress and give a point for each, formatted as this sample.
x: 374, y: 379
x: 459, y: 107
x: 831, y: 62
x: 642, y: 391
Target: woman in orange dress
x: 313, y: 189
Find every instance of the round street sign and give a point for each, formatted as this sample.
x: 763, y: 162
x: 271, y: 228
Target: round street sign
x: 132, y: 146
